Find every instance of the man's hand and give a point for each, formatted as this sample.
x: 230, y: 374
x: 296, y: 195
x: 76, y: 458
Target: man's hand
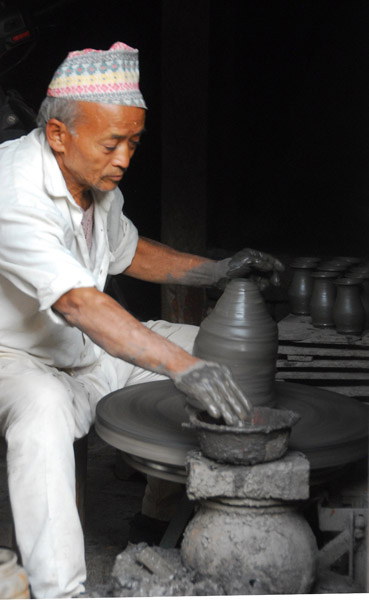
x: 212, y: 387
x: 263, y: 268
x: 158, y: 263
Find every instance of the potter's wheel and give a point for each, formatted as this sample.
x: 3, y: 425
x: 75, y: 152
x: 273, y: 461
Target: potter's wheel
x: 145, y: 422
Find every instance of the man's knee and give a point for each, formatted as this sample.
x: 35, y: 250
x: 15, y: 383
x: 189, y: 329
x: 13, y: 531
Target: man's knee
x: 181, y: 334
x: 38, y: 400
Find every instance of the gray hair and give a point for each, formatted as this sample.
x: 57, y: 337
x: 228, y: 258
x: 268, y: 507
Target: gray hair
x: 63, y: 109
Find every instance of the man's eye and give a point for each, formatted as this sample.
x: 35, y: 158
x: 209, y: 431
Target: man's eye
x: 110, y: 148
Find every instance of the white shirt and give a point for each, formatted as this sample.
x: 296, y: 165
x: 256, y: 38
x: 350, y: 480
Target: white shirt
x: 43, y: 252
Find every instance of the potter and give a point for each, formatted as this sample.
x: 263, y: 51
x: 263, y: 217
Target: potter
x: 64, y: 342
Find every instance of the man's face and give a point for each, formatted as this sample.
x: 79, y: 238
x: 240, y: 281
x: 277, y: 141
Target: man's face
x: 99, y: 151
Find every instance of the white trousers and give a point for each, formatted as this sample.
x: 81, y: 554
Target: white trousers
x: 42, y: 411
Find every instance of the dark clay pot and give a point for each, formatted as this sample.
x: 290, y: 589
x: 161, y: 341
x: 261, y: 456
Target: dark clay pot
x: 301, y: 286
x: 241, y: 334
x: 323, y: 298
x: 350, y: 260
x: 263, y: 437
x: 348, y: 311
x: 362, y: 273
x: 334, y: 264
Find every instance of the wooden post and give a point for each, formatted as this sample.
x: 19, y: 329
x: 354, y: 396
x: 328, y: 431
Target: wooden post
x: 185, y: 32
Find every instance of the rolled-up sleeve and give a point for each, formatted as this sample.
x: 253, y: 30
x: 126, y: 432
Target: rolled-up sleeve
x: 35, y: 254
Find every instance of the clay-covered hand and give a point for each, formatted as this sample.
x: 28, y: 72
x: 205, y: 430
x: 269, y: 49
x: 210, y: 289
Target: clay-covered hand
x: 211, y: 386
x: 263, y: 268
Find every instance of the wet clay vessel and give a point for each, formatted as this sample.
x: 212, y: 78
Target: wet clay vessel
x: 334, y: 264
x: 348, y: 310
x: 241, y: 334
x: 301, y: 286
x: 350, y: 260
x: 263, y: 437
x: 362, y: 273
x: 323, y: 298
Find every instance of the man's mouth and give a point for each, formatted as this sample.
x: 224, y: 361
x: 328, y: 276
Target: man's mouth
x: 114, y: 177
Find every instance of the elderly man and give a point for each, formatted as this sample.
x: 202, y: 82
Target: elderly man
x: 64, y: 343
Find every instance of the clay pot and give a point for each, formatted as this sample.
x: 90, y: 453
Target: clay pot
x: 241, y: 334
x: 348, y: 311
x: 334, y: 264
x: 323, y: 298
x: 13, y: 578
x: 362, y: 273
x: 248, y: 550
x: 350, y: 260
x: 263, y: 437
x: 311, y: 259
x: 301, y: 286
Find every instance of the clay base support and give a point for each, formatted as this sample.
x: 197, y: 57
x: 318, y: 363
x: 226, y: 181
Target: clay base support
x: 286, y: 479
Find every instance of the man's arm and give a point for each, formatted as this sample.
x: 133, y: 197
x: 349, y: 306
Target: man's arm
x: 158, y: 263
x: 115, y: 330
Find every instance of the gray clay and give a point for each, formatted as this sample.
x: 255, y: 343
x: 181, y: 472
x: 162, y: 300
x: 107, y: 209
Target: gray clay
x: 241, y: 334
x: 251, y: 551
x: 131, y: 579
x: 262, y: 437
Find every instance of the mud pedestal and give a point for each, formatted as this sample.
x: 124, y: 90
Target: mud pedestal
x: 249, y: 533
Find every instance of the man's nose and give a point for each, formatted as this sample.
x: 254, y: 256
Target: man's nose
x: 122, y: 157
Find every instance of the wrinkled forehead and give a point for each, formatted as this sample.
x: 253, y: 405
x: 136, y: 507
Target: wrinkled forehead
x: 110, y: 118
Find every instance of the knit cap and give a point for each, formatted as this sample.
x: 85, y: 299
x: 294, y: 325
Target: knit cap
x: 103, y: 76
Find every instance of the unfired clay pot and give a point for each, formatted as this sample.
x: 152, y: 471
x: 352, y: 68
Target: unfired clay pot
x: 348, y: 310
x: 241, y: 334
x: 323, y: 298
x: 263, y: 550
x: 301, y: 286
x: 362, y: 273
x: 350, y: 260
x: 334, y: 264
x: 263, y: 437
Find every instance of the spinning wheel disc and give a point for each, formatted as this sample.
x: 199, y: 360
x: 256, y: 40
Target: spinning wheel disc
x: 145, y: 421
x: 333, y: 429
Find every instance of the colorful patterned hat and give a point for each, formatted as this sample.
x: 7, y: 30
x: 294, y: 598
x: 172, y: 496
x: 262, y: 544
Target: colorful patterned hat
x: 101, y: 76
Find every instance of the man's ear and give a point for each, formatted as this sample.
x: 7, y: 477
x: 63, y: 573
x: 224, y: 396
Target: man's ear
x: 56, y: 134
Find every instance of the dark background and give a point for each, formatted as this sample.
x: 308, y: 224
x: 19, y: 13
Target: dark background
x: 287, y: 119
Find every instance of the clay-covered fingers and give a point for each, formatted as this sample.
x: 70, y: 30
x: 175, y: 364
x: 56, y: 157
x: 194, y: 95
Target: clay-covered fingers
x: 263, y: 282
x: 248, y: 260
x: 216, y: 392
x: 214, y: 387
x: 237, y: 400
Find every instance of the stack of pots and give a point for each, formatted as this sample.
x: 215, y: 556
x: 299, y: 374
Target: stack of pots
x: 335, y: 293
